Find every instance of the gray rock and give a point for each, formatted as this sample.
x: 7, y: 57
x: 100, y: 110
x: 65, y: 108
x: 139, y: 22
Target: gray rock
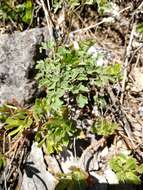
x: 36, y: 177
x: 102, y: 56
x: 18, y: 52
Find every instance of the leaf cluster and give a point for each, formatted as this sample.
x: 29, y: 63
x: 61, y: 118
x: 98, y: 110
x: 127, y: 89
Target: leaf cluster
x: 55, y: 134
x: 126, y: 169
x: 74, y: 180
x: 104, y: 127
x: 16, y: 120
x: 73, y: 73
x: 72, y: 4
x: 11, y: 10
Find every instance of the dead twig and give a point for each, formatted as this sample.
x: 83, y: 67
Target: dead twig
x: 134, y: 53
x: 14, y: 146
x: 126, y: 63
x: 92, y: 149
x: 47, y: 17
x: 105, y: 20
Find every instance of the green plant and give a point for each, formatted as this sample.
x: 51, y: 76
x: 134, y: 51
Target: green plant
x: 72, y: 4
x: 39, y: 111
x: 100, y: 101
x: 104, y: 127
x: 103, y: 5
x: 73, y: 73
x: 11, y: 10
x: 16, y: 120
x: 74, y: 180
x: 55, y: 134
x: 126, y: 169
x: 55, y: 131
x: 65, y: 74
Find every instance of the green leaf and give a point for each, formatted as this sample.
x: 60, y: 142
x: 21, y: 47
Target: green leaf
x: 140, y: 27
x: 89, y: 2
x: 28, y: 4
x: 11, y: 123
x: 104, y: 127
x: 125, y: 168
x: 81, y: 100
x: 50, y: 146
x: 113, y: 69
x: 115, y: 165
x: 16, y: 131
x: 132, y: 178
x: 61, y: 92
x: 56, y: 103
x: 73, y: 3
x: 83, y: 88
x: 38, y: 110
x: 63, y: 184
x: 131, y: 164
x: 74, y: 180
x: 103, y: 5
x: 98, y: 83
x: 28, y: 123
x: 140, y: 169
x: 79, y: 89
x: 27, y: 17
x: 28, y: 11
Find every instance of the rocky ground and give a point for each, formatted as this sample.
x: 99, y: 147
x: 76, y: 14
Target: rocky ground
x: 117, y: 35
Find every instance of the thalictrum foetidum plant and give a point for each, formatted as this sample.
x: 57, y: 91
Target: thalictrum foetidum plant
x: 73, y: 73
x: 126, y: 169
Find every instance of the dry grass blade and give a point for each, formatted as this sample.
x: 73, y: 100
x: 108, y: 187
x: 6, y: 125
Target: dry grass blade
x: 126, y: 63
x: 48, y: 20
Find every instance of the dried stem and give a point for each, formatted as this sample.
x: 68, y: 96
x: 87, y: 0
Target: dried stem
x: 126, y: 63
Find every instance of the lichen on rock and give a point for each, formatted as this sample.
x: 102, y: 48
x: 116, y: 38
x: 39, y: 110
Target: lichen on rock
x: 18, y: 55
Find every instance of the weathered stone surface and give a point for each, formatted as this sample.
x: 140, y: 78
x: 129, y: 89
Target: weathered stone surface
x: 36, y: 177
x: 18, y: 53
